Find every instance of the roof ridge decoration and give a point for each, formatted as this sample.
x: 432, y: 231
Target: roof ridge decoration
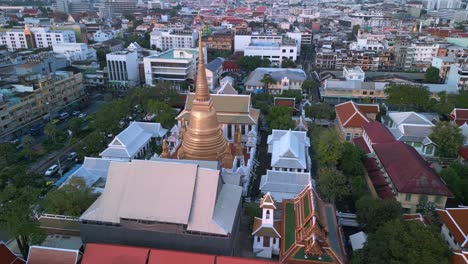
x: 202, y: 93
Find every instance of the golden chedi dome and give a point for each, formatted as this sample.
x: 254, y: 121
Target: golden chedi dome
x: 203, y: 139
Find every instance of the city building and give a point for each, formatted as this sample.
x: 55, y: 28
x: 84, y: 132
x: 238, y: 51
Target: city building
x: 17, y: 39
x: 354, y: 74
x: 350, y: 117
x: 458, y: 76
x: 283, y: 80
x: 266, y: 230
x: 220, y: 41
x: 134, y: 141
x: 276, y: 48
x: 309, y: 231
x: 22, y: 104
x: 290, y: 164
x: 44, y: 37
x: 62, y: 6
x: 104, y: 35
x: 214, y: 69
x: 454, y: 227
x: 122, y: 67
x: 75, y: 51
x: 165, y: 39
x: 338, y: 91
x: 414, y: 129
x: 459, y: 116
x: 175, y: 66
x: 397, y: 171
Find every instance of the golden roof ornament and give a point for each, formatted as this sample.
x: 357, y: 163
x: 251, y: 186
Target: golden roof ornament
x: 165, y: 151
x: 203, y: 138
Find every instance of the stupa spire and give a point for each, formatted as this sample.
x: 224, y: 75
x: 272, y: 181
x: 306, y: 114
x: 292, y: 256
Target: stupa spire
x: 202, y: 92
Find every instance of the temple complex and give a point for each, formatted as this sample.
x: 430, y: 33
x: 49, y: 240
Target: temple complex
x: 221, y: 127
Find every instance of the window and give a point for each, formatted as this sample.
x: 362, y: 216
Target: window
x: 284, y: 51
x: 356, y: 135
x: 429, y: 149
x: 348, y: 136
x: 267, y: 214
x: 258, y: 239
x: 408, y: 197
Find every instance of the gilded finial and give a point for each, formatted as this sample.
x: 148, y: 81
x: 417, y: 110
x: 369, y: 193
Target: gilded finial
x: 202, y: 92
x: 165, y: 151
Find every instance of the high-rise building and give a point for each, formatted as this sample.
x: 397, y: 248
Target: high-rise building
x: 62, y: 6
x: 173, y: 38
x: 44, y: 37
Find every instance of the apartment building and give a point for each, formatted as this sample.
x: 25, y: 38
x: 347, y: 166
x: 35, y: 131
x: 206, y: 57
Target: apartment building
x: 17, y: 39
x: 21, y: 104
x: 220, y: 41
x: 418, y: 56
x: 276, y: 48
x: 122, y: 67
x: 175, y: 66
x: 165, y: 39
x: 45, y: 38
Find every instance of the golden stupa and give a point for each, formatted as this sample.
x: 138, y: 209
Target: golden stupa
x: 202, y: 138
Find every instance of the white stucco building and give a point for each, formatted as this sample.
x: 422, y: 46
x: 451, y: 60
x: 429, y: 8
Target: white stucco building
x: 75, y: 51
x: 173, y: 38
x: 122, y: 67
x: 44, y: 37
x: 266, y: 230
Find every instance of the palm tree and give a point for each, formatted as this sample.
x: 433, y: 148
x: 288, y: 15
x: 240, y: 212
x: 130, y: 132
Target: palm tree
x: 267, y: 80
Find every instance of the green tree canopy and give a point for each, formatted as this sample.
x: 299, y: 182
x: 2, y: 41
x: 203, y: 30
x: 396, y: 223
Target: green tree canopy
x: 320, y: 111
x: 408, y: 97
x: 310, y: 87
x: 250, y: 63
x: 432, y: 75
x: 372, y: 213
x: 350, y: 162
x: 72, y: 199
x: 329, y: 148
x: 280, y: 117
x: 51, y: 131
x: 332, y: 184
x: 456, y: 177
x: 297, y: 95
x: 164, y: 113
x: 400, y: 241
x: 75, y: 125
x: 448, y: 138
x: 287, y: 63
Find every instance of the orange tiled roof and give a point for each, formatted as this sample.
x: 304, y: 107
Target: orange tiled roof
x: 456, y: 220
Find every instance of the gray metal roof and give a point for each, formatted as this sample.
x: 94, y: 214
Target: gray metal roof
x: 255, y: 77
x: 215, y: 64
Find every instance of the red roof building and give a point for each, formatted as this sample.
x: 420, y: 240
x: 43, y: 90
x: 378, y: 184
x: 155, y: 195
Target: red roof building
x: 351, y: 116
x: 115, y: 254
x: 459, y: 257
x: 459, y: 116
x: 455, y: 227
x: 48, y: 255
x: 7, y: 256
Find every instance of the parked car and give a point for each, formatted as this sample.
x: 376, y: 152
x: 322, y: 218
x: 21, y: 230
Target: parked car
x: 72, y: 156
x: 63, y: 116
x: 82, y: 115
x: 75, y: 113
x: 52, y: 170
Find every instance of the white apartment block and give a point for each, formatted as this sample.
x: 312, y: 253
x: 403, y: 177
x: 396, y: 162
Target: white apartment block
x: 165, y: 39
x: 15, y: 39
x: 273, y: 47
x: 122, y: 67
x: 366, y: 44
x: 104, y: 35
x: 75, y: 51
x: 44, y: 37
x: 174, y: 66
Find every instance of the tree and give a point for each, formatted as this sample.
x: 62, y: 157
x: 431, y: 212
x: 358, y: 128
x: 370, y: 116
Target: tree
x: 320, y: 111
x: 332, y: 184
x: 19, y: 196
x: 329, y: 148
x: 297, y: 95
x: 72, y: 199
x: 401, y: 241
x: 164, y: 113
x: 350, y: 162
x: 51, y: 131
x: 448, y: 138
x: 372, y: 213
x: 250, y: 63
x: 28, y: 144
x: 432, y: 75
x: 92, y: 145
x: 7, y: 152
x: 356, y: 30
x: 101, y: 56
x: 75, y: 125
x: 280, y: 117
x: 408, y: 97
x: 267, y: 80
x: 456, y: 178
x: 310, y: 87
x: 287, y: 63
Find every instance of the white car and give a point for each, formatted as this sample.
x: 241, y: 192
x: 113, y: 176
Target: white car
x: 82, y: 115
x: 52, y: 170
